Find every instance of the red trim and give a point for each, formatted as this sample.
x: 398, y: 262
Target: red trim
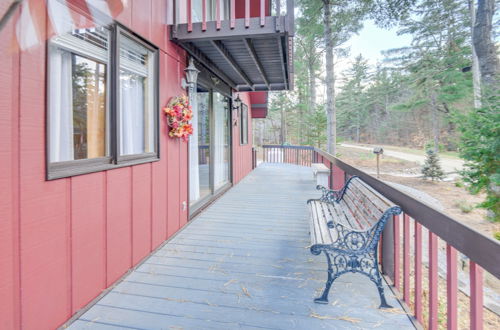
x: 397, y: 247
x: 217, y: 14
x: 433, y: 281
x: 452, y: 288
x: 247, y: 13
x: 233, y: 14
x: 188, y: 15
x: 476, y: 296
x: 418, y: 272
x: 204, y: 15
x: 406, y: 258
x: 262, y: 13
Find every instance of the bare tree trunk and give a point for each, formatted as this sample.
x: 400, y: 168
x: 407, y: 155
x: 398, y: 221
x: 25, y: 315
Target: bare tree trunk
x: 312, y: 85
x: 282, y: 126
x: 484, y: 46
x: 476, y: 75
x: 435, y: 122
x: 330, y: 80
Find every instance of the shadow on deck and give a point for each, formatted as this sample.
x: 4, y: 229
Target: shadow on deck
x: 244, y: 263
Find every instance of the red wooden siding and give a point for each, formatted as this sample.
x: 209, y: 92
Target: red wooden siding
x: 254, y: 8
x: 258, y: 105
x: 242, y: 154
x: 62, y: 242
x: 9, y: 181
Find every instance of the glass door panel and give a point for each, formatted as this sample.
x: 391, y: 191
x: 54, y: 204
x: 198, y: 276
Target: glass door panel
x: 199, y: 184
x: 221, y: 144
x: 209, y: 146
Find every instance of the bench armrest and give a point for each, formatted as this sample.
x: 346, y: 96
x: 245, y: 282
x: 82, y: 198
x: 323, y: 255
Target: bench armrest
x: 329, y: 195
x: 359, y: 241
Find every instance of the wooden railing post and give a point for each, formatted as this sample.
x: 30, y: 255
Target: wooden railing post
x: 388, y: 250
x: 476, y: 296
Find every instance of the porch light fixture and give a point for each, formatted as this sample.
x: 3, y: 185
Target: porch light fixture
x: 191, y: 75
x: 236, y: 109
x: 237, y: 102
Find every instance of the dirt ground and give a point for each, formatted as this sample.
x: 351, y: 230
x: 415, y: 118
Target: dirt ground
x: 457, y: 201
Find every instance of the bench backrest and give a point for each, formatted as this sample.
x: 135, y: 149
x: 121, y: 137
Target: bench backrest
x: 365, y: 205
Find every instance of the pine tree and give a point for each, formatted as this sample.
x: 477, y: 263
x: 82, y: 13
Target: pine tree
x: 431, y: 168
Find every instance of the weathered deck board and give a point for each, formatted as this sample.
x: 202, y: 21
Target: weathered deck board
x: 244, y: 264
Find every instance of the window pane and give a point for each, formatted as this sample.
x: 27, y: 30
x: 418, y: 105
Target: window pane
x: 78, y: 95
x: 244, y: 124
x: 137, y: 86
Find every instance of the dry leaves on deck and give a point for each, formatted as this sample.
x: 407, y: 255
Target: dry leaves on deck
x: 327, y: 317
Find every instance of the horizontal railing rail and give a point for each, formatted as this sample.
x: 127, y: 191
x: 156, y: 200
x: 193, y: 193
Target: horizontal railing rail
x: 406, y: 232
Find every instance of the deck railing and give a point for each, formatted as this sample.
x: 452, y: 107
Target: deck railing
x: 406, y: 270
x: 276, y: 8
x: 300, y: 155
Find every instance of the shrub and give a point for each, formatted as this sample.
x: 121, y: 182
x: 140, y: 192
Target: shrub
x: 431, y: 168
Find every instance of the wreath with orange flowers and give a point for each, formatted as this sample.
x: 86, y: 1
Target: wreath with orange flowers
x: 179, y: 115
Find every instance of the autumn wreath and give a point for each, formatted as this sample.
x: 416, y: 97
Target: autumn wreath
x: 179, y: 115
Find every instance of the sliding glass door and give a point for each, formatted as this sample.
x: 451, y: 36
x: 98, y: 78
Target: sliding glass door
x: 221, y: 145
x: 210, y: 147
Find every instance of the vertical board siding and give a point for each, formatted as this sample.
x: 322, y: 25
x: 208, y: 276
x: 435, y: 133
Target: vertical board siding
x: 119, y: 223
x: 88, y: 238
x: 44, y: 217
x: 141, y: 17
x: 9, y: 180
x: 141, y: 212
x: 242, y: 154
x: 66, y: 240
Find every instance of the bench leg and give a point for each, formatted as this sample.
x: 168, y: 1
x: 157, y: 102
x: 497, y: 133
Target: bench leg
x: 324, y: 297
x: 380, y: 288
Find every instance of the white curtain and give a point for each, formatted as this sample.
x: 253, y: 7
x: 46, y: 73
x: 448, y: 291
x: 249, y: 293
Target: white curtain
x: 131, y: 114
x: 219, y: 147
x: 61, y: 106
x: 194, y: 173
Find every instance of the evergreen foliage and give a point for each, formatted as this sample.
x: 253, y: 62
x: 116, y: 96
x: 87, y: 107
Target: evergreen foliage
x: 431, y: 168
x: 480, y: 147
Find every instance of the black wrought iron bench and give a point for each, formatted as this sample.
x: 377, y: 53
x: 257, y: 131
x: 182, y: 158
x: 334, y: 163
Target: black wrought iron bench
x: 346, y: 225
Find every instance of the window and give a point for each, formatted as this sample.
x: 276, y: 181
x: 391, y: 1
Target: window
x: 102, y: 108
x: 244, y: 124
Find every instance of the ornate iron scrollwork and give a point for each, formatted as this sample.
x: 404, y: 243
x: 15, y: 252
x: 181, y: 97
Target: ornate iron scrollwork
x: 352, y: 251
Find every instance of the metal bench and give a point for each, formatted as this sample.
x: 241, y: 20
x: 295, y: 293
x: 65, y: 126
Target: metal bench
x: 346, y: 226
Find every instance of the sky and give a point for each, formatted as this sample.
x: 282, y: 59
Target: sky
x: 369, y: 42
x: 372, y: 40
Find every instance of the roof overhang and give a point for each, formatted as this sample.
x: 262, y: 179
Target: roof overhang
x: 257, y: 57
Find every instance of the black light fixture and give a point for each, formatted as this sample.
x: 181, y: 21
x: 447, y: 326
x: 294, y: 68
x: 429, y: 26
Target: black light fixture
x: 236, y: 108
x: 237, y: 102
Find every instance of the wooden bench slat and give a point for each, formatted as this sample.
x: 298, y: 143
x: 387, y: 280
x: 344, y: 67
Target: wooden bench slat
x: 379, y: 200
x: 361, y: 213
x: 321, y: 230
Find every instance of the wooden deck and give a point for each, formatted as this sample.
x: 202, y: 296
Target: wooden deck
x: 244, y: 263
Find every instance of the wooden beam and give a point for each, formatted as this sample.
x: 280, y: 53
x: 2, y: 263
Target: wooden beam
x: 253, y: 55
x: 229, y: 59
x: 203, y: 59
x: 226, y: 32
x: 283, y: 61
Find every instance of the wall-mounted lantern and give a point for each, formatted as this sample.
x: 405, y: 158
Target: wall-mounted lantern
x: 191, y: 75
x: 236, y: 109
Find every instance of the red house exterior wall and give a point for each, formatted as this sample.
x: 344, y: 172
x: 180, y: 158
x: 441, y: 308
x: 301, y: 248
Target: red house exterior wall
x: 64, y: 241
x: 242, y: 154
